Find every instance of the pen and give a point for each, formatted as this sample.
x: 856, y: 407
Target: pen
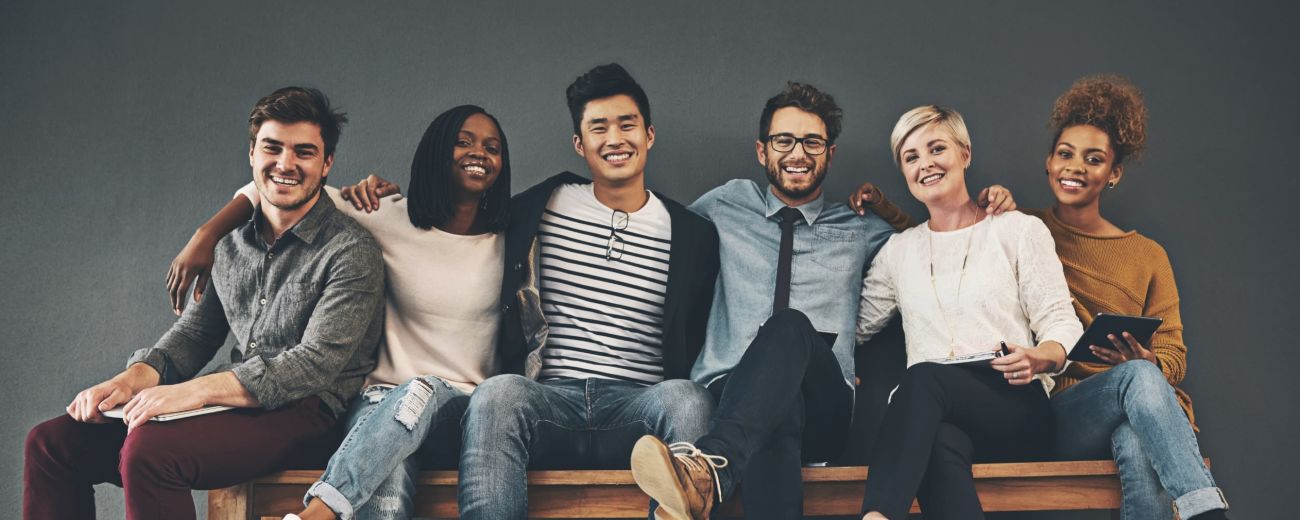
x: 1005, y: 351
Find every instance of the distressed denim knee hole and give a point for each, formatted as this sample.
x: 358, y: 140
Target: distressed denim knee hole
x: 409, y: 409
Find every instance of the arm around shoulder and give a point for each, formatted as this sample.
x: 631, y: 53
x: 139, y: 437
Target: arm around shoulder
x: 703, y: 206
x: 194, y: 263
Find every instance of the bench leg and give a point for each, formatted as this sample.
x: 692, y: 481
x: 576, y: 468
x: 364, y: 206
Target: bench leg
x: 229, y: 503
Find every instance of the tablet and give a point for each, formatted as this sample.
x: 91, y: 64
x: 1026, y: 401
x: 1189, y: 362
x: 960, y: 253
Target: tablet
x: 1141, y: 327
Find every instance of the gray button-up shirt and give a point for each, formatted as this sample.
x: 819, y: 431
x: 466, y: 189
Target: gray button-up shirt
x: 832, y: 248
x: 307, y: 312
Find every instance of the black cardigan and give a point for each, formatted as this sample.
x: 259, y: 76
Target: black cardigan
x: 692, y: 272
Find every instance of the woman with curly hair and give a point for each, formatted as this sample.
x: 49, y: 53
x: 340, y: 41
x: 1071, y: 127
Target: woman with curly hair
x: 1128, y: 407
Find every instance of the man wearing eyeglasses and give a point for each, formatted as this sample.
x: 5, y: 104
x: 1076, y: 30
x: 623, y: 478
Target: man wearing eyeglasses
x: 605, y: 299
x: 779, y: 352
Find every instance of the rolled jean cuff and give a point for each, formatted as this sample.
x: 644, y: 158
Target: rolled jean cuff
x: 332, y: 499
x: 1199, y: 501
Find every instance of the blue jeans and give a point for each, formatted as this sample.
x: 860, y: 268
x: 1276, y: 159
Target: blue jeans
x: 1131, y: 413
x: 372, y: 475
x: 514, y: 423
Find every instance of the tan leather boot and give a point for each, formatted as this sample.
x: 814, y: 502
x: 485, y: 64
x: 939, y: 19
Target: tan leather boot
x: 680, y: 477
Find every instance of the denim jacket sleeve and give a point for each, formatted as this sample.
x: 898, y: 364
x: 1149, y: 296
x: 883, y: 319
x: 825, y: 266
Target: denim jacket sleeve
x: 337, y: 329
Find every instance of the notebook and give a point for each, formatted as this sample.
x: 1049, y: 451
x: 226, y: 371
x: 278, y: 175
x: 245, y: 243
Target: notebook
x: 980, y: 359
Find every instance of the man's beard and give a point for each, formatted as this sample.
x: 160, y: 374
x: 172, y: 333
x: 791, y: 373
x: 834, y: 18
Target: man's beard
x: 309, y: 193
x: 817, y: 172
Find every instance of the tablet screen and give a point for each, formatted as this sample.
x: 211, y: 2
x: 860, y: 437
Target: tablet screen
x: 1141, y: 327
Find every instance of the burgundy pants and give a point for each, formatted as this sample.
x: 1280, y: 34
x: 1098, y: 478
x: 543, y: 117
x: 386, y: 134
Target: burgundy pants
x: 160, y: 462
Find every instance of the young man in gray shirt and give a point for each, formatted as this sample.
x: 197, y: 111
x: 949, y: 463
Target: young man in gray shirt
x: 300, y: 286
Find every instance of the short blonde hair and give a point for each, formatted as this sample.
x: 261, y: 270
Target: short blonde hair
x: 924, y: 115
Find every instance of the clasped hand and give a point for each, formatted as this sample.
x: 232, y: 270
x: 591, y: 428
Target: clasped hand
x: 1022, y: 363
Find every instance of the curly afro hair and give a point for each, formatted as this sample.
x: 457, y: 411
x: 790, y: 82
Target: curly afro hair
x: 1109, y: 102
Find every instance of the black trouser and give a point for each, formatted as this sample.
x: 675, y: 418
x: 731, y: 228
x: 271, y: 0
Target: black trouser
x: 942, y: 419
x: 785, y: 402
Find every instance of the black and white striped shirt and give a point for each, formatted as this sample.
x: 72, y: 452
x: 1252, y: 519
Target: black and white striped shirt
x: 605, y: 316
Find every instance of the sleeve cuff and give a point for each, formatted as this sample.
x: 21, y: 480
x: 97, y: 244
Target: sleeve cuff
x: 252, y: 374
x: 156, y: 359
x: 1065, y: 348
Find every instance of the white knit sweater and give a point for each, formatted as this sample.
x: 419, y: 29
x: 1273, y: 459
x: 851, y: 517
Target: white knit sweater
x: 1013, y: 289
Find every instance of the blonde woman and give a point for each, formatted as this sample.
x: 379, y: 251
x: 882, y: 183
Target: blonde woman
x: 965, y: 283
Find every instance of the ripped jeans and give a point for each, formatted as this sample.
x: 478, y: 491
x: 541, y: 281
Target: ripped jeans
x: 393, y: 432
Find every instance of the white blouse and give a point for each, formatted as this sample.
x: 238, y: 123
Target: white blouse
x: 1011, y: 288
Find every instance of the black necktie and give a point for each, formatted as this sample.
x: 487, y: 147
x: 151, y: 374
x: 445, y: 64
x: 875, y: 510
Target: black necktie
x: 789, y: 216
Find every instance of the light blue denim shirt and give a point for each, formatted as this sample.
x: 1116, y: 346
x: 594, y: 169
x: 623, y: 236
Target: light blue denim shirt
x: 832, y: 248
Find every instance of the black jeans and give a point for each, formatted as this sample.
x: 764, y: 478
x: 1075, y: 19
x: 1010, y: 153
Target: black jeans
x: 784, y: 403
x: 942, y: 419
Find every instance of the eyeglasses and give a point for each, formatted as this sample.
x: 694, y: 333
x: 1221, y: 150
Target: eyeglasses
x: 614, y: 245
x: 786, y: 142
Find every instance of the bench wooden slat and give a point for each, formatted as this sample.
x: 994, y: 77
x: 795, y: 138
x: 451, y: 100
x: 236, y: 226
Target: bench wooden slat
x: 826, y: 474
x: 1022, y: 486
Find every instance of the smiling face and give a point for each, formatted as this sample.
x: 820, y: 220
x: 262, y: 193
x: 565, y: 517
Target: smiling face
x: 1080, y: 165
x: 476, y: 158
x: 934, y: 164
x: 289, y: 164
x: 614, y: 140
x: 795, y: 176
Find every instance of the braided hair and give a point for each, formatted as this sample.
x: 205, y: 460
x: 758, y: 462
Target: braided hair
x: 430, y: 193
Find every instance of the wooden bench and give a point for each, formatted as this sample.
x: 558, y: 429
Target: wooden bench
x: 1035, y: 486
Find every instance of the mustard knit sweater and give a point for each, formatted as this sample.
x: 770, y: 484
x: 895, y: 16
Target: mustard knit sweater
x: 1122, y: 274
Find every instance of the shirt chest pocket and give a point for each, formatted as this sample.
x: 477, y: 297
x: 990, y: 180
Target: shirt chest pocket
x: 290, y: 308
x: 835, y: 248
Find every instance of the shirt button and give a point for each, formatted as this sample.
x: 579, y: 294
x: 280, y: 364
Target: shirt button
x: 269, y: 255
x: 262, y: 301
x: 519, y: 266
x: 252, y: 345
x: 505, y: 308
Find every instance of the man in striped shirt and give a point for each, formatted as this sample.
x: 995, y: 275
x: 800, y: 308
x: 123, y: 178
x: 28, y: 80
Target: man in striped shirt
x: 605, y: 297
